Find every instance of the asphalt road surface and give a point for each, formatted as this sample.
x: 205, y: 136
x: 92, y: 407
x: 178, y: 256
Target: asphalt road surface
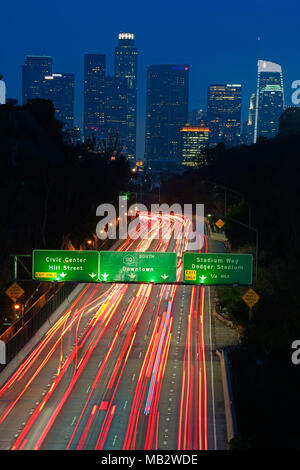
x: 126, y: 366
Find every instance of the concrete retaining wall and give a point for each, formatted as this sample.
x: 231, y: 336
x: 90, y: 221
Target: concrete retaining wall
x: 231, y: 423
x: 23, y: 353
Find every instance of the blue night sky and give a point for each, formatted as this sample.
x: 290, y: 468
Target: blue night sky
x: 218, y: 39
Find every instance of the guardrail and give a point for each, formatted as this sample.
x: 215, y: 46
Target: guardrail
x: 21, y: 331
x: 231, y: 422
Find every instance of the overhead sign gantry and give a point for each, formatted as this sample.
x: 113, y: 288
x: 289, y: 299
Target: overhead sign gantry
x: 142, y: 267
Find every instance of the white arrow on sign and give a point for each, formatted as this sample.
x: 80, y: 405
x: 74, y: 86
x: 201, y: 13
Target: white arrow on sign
x: 164, y: 276
x: 105, y: 276
x: 202, y: 278
x: 132, y: 276
x: 92, y: 275
x: 63, y: 275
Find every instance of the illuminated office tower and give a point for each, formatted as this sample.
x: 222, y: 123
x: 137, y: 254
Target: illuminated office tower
x: 166, y: 113
x: 195, y: 140
x: 59, y: 88
x: 94, y: 96
x: 2, y: 91
x: 269, y: 99
x: 115, y: 109
x: 197, y: 117
x: 126, y: 67
x: 224, y: 113
x: 251, y: 120
x: 34, y: 70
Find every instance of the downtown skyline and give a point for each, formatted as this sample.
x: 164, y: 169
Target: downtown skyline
x: 110, y: 103
x: 173, y: 42
x: 149, y: 181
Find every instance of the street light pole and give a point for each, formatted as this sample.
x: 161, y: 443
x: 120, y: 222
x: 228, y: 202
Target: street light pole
x: 23, y: 311
x: 256, y: 242
x: 225, y: 188
x: 256, y: 257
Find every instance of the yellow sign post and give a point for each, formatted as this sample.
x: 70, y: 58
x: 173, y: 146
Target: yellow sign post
x: 14, y: 291
x: 250, y: 298
x: 220, y: 223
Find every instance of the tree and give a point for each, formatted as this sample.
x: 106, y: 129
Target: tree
x: 289, y: 122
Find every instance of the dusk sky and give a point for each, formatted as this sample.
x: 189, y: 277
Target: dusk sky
x: 217, y: 39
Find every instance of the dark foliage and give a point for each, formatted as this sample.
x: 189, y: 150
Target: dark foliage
x: 49, y: 187
x: 266, y: 176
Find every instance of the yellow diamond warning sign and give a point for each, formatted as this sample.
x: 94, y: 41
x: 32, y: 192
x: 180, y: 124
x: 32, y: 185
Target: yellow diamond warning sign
x: 220, y: 223
x: 250, y: 297
x: 14, y: 291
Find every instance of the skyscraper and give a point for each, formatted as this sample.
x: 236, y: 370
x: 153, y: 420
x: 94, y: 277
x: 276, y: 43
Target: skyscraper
x: 34, y: 70
x: 115, y: 109
x: 269, y: 99
x: 197, y: 117
x: 59, y: 88
x: 166, y: 113
x: 224, y: 113
x: 251, y: 120
x: 194, y: 142
x: 2, y: 91
x: 126, y: 67
x: 94, y: 95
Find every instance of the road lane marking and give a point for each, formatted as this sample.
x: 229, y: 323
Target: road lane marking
x: 212, y: 373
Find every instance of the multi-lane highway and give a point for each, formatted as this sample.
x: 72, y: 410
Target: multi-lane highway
x: 125, y: 366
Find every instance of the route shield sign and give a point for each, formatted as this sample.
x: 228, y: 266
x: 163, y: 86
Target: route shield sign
x: 134, y: 266
x: 217, y: 268
x: 65, y: 265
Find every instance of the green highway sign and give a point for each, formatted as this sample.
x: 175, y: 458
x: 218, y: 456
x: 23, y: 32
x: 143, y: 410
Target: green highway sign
x: 148, y: 267
x: 131, y: 266
x: 217, y: 268
x: 125, y: 196
x: 65, y: 265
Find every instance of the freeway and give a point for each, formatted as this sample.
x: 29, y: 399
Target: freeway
x: 126, y: 366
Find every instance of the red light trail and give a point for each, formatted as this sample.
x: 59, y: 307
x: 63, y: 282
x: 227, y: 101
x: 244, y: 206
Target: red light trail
x: 118, y: 315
